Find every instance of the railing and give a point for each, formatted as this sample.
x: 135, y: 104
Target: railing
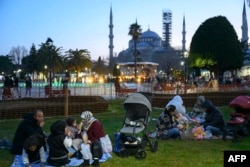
x: 108, y: 91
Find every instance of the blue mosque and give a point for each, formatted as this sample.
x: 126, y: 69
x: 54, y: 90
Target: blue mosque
x: 155, y: 54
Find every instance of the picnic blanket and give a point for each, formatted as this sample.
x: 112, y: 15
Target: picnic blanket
x: 73, y: 161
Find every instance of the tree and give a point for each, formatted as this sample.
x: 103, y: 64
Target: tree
x: 168, y: 61
x: 17, y: 53
x: 49, y: 54
x: 215, y: 46
x: 135, y: 31
x: 99, y: 67
x: 6, y: 66
x: 30, y: 62
x: 77, y: 60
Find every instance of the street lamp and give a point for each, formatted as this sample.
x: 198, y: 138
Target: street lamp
x: 183, y: 69
x: 50, y: 44
x: 185, y: 54
x: 45, y: 71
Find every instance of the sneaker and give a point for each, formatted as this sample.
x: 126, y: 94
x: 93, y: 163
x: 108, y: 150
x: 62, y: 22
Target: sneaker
x: 216, y: 137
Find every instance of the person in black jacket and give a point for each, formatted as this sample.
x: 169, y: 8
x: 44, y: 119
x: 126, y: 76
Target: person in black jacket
x: 59, y: 142
x: 214, y: 121
x: 32, y: 123
x: 33, y: 151
x: 28, y: 85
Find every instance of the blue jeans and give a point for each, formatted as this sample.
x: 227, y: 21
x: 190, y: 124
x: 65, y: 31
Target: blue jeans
x: 173, y: 133
x: 214, y: 130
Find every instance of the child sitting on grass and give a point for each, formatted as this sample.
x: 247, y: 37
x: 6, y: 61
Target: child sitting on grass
x: 59, y: 142
x: 182, y: 121
x: 75, y: 134
x: 73, y: 127
x: 33, y: 151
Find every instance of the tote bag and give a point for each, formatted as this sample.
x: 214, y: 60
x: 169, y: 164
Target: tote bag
x: 106, y: 144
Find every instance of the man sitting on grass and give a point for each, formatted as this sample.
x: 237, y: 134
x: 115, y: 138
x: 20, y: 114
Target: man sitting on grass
x: 32, y: 123
x: 214, y: 122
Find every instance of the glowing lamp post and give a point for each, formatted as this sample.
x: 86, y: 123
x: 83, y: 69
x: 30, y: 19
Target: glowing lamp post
x: 50, y: 43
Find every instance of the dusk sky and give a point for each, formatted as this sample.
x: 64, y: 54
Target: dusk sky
x: 84, y: 24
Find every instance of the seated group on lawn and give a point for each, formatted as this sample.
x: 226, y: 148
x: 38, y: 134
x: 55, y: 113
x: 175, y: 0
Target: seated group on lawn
x: 35, y: 146
x: 31, y: 142
x: 174, y: 120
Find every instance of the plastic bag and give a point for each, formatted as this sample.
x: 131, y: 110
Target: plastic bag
x: 118, y: 142
x: 106, y: 144
x: 85, y: 150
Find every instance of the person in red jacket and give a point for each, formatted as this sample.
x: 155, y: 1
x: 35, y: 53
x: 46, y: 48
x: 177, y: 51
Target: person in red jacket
x: 92, y: 131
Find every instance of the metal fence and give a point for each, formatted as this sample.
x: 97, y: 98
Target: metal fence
x: 107, y: 90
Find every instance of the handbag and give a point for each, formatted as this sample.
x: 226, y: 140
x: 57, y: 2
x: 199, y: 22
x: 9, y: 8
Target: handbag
x: 106, y: 144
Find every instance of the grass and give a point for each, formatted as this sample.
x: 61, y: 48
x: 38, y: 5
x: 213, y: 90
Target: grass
x: 172, y: 153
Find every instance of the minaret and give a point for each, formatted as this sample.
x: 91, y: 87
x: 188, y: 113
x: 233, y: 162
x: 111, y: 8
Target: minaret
x: 183, y: 35
x: 111, y: 36
x: 244, y: 28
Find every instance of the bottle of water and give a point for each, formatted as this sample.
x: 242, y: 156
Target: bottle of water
x: 17, y: 161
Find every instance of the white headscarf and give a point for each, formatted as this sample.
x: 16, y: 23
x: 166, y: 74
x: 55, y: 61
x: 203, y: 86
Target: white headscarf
x: 178, y: 103
x: 88, y: 116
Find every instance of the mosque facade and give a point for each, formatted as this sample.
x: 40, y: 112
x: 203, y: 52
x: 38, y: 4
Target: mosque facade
x: 154, y: 53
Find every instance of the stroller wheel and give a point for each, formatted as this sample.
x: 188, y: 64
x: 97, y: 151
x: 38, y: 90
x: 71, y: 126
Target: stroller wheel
x: 154, y: 146
x: 141, y: 154
x: 123, y: 153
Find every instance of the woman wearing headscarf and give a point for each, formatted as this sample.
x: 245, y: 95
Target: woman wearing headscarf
x: 166, y: 127
x: 92, y: 131
x: 178, y: 103
x: 180, y: 108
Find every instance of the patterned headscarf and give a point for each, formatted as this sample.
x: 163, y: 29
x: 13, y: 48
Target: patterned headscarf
x: 88, y: 116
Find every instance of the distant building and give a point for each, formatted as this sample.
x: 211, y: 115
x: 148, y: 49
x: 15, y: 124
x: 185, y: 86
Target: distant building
x: 145, y: 70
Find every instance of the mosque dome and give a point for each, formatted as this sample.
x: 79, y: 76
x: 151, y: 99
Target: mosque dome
x: 147, y: 40
x: 149, y: 34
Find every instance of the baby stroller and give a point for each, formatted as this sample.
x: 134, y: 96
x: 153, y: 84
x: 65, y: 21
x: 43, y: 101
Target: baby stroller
x: 137, y: 118
x: 239, y: 122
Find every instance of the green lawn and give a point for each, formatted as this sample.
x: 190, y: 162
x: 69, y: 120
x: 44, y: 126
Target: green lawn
x: 171, y: 153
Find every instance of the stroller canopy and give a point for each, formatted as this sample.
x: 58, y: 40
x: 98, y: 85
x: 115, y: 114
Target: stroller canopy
x: 241, y: 101
x: 138, y: 108
x: 137, y: 100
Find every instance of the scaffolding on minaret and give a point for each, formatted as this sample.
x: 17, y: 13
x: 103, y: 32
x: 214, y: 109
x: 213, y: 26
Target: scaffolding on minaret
x: 167, y: 28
